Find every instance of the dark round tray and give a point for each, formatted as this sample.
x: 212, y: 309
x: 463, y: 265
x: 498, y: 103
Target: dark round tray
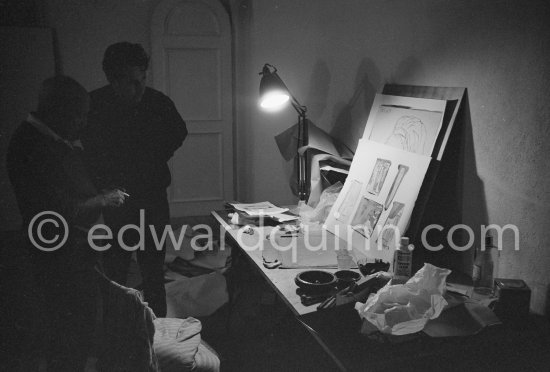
x: 315, y: 281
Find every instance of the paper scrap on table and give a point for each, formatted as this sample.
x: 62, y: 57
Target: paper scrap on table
x: 406, y: 308
x: 259, y: 209
x: 462, y: 317
x: 284, y: 217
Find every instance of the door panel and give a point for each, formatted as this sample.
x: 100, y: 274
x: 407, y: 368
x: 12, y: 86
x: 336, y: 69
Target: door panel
x: 191, y: 59
x: 198, y: 68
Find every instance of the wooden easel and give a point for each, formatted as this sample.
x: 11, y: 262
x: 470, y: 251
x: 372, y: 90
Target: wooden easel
x: 440, y: 197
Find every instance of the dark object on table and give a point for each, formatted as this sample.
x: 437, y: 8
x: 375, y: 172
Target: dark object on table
x: 271, y: 264
x: 337, y: 298
x: 368, y: 268
x: 308, y: 298
x: 333, y: 172
x: 354, y: 292
x: 315, y: 281
x: 346, y: 277
x: 246, y: 219
x: 514, y: 297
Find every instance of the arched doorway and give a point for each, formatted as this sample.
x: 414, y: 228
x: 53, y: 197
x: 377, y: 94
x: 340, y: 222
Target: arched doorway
x: 191, y: 61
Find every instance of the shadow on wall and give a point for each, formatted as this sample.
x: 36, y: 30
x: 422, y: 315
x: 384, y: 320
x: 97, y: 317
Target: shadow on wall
x: 474, y: 202
x: 457, y: 198
x: 410, y: 69
x: 351, y: 116
x: 318, y: 88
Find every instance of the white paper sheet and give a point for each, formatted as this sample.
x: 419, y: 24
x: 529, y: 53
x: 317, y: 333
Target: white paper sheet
x: 365, y: 207
x: 406, y: 123
x: 259, y: 209
x: 318, y: 139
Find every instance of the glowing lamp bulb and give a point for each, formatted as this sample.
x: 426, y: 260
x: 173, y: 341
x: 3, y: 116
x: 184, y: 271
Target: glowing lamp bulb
x: 274, y: 100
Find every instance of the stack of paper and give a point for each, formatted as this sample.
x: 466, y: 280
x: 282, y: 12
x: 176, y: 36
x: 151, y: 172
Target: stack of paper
x: 265, y: 209
x: 259, y: 209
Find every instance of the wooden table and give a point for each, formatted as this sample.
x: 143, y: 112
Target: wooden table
x: 254, y: 247
x: 337, y: 330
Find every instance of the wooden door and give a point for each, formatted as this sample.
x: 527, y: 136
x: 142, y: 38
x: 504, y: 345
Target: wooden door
x: 191, y: 60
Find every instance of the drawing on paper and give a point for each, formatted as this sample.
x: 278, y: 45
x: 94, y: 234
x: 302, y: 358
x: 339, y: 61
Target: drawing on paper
x: 406, y: 123
x: 366, y: 217
x: 409, y: 134
x: 388, y: 231
x: 401, y: 172
x: 363, y: 214
x: 378, y: 176
x: 346, y: 208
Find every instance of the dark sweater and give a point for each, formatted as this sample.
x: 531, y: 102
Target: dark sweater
x: 47, y: 175
x: 130, y: 147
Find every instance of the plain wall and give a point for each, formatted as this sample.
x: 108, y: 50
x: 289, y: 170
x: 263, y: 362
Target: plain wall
x: 86, y: 28
x: 335, y: 55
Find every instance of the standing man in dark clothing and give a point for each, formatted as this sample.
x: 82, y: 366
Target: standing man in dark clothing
x: 59, y: 205
x: 133, y: 131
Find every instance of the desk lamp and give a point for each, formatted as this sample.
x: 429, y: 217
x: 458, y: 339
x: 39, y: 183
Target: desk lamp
x: 274, y: 95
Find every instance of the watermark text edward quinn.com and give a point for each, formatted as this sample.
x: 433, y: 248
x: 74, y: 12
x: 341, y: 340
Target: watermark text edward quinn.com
x: 100, y: 236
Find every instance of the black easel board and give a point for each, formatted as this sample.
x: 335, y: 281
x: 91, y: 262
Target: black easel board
x: 446, y: 152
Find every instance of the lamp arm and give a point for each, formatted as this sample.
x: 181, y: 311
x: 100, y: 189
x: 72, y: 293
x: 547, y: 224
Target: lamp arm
x: 299, y: 108
x: 303, y: 140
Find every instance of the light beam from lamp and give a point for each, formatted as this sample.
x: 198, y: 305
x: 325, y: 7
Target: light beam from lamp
x: 274, y: 94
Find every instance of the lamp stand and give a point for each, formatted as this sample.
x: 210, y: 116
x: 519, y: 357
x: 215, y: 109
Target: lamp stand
x: 303, y: 140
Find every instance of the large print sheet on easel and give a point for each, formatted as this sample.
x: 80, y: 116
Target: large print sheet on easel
x: 407, y: 123
x: 375, y: 205
x: 379, y: 193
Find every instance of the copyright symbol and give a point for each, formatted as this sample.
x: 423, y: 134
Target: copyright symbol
x: 36, y: 227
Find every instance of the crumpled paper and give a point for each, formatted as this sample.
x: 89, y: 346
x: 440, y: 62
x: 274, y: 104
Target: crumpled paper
x: 406, y: 308
x: 327, y: 200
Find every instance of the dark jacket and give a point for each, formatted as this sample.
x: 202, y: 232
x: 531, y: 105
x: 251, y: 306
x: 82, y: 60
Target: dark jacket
x: 130, y: 147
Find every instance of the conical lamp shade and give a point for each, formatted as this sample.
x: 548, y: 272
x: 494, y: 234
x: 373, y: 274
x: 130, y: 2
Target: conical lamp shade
x: 273, y: 92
